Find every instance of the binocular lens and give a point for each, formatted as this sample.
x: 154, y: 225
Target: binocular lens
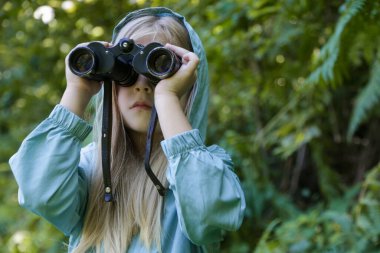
x: 161, y: 62
x: 83, y: 61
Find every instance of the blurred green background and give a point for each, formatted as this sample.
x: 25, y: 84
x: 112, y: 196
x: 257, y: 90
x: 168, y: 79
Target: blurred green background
x: 295, y: 88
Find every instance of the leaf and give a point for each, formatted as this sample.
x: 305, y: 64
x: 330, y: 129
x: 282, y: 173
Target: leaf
x: 366, y: 100
x: 327, y: 71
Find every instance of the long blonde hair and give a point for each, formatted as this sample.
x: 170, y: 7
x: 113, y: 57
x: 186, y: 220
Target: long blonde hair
x: 138, y: 206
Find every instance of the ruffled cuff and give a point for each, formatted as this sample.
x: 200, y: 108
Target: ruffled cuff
x: 182, y: 143
x: 64, y: 118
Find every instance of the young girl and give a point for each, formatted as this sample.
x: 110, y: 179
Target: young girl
x: 63, y: 182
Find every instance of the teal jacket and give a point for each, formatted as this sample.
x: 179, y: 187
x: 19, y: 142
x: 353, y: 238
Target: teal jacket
x: 204, y: 197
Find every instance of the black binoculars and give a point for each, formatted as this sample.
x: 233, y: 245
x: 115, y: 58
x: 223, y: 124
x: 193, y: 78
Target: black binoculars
x: 123, y: 62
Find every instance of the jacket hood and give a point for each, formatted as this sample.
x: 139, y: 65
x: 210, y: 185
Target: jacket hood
x: 199, y: 99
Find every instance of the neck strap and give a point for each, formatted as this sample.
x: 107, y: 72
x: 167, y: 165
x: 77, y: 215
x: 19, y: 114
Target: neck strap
x: 106, y: 139
x: 148, y: 148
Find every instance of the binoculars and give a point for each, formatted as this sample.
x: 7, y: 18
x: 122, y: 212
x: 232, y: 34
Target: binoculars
x: 123, y: 62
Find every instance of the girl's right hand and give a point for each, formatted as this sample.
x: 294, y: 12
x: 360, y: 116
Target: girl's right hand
x: 79, y: 90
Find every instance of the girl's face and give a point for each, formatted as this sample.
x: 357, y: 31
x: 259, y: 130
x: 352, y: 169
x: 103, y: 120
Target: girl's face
x: 135, y: 104
x: 136, y: 101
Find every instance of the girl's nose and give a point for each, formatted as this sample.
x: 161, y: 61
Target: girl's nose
x: 142, y: 84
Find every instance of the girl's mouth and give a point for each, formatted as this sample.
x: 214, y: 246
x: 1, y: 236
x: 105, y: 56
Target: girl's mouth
x: 141, y: 105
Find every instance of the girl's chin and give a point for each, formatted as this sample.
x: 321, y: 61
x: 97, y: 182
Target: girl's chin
x: 137, y: 130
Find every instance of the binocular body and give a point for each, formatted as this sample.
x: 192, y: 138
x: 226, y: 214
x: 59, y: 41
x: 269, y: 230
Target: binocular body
x: 123, y: 62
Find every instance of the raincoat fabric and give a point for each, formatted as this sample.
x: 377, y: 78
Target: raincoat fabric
x: 204, y: 197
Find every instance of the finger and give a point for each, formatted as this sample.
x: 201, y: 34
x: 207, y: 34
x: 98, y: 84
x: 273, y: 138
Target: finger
x: 105, y: 43
x: 84, y: 44
x: 190, y: 61
x: 177, y: 50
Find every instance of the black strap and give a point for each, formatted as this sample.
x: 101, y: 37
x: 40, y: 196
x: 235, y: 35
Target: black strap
x: 149, y: 141
x: 106, y: 139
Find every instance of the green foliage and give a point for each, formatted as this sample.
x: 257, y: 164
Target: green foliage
x: 353, y: 229
x: 330, y: 69
x: 317, y: 231
x: 367, y: 99
x: 367, y: 210
x: 290, y: 80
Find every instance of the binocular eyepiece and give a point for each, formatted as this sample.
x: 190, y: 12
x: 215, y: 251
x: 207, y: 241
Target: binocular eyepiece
x: 123, y: 62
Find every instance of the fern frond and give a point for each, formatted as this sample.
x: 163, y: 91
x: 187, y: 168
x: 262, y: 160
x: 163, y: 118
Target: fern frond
x: 366, y: 100
x: 327, y: 72
x: 367, y: 211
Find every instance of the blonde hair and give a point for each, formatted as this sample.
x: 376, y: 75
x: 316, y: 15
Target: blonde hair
x: 137, y: 207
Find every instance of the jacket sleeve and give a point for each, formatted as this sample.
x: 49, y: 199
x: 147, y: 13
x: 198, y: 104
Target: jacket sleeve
x: 208, y: 195
x: 46, y: 168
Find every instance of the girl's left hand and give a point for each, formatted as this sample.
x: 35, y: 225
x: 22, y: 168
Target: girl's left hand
x: 183, y: 79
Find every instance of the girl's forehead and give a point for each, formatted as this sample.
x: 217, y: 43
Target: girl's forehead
x: 146, y: 39
x: 144, y: 32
